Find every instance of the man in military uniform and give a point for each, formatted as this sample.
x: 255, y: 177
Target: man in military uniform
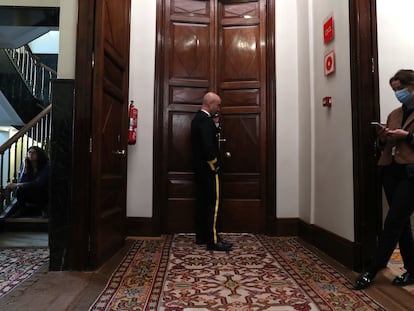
x: 206, y: 160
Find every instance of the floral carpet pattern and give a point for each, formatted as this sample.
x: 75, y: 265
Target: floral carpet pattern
x: 259, y: 274
x: 18, y: 264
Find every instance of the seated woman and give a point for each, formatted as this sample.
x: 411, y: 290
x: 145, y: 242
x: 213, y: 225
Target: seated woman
x: 32, y: 191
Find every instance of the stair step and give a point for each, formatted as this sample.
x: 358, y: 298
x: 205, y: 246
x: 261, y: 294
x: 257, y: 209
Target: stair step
x: 36, y: 224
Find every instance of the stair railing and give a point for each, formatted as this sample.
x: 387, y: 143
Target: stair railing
x: 37, y: 76
x: 13, y: 152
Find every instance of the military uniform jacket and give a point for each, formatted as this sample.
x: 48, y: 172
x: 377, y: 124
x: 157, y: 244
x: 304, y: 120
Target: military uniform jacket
x: 204, y: 143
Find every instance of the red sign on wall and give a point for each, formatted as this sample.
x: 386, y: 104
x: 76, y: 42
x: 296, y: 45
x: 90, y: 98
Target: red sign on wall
x: 328, y: 30
x: 329, y: 60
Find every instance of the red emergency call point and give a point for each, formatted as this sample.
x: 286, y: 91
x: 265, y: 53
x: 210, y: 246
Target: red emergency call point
x: 328, y: 30
x: 329, y: 60
x: 327, y: 101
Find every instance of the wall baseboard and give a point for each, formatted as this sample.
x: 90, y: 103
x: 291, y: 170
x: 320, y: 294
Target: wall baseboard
x: 140, y: 226
x: 342, y: 250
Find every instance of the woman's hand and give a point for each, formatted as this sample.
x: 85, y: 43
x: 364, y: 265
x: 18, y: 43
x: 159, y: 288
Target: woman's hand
x: 12, y: 185
x: 397, y: 134
x: 382, y: 133
x: 25, y: 164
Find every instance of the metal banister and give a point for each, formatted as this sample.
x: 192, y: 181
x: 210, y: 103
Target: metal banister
x: 25, y: 129
x: 37, y: 76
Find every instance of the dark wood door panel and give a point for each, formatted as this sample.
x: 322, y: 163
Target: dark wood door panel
x: 190, y: 10
x: 243, y: 215
x: 179, y: 215
x: 215, y: 46
x: 181, y: 185
x: 111, y: 111
x: 241, y: 186
x: 179, y: 149
x: 242, y: 134
x: 181, y: 97
x: 238, y: 12
x: 240, y: 98
x: 240, y: 54
x: 109, y: 128
x: 190, y: 44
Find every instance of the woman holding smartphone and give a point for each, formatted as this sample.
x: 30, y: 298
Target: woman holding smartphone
x: 397, y: 171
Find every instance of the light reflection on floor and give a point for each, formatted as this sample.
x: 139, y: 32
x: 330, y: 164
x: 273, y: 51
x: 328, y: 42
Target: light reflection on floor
x: 24, y: 239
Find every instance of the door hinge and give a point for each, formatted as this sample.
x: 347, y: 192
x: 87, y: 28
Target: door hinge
x: 372, y: 65
x: 93, y: 60
x: 90, y: 144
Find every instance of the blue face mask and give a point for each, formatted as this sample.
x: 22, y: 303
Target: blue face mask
x: 404, y: 96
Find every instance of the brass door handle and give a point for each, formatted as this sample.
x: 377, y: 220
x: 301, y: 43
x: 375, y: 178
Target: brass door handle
x: 119, y: 152
x: 227, y: 155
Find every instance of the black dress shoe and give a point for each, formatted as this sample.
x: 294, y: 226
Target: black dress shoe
x: 229, y: 244
x: 403, y: 280
x: 364, y: 280
x: 221, y: 247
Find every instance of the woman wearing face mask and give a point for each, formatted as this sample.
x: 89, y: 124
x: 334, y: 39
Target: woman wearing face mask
x: 397, y: 171
x: 32, y: 192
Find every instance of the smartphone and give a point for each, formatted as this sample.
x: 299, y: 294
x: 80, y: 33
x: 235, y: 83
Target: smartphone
x: 378, y: 124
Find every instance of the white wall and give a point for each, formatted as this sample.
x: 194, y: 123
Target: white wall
x: 332, y: 142
x: 306, y: 103
x: 139, y: 201
x: 323, y: 136
x: 314, y: 143
x: 395, y: 47
x: 395, y: 51
x: 141, y: 90
x: 68, y: 21
x: 287, y: 122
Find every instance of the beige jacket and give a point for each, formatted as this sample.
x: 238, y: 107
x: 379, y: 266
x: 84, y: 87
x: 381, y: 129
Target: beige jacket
x: 404, y: 150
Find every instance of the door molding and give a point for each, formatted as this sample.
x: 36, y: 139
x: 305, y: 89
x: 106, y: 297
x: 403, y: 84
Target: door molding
x: 365, y: 108
x: 159, y: 194
x: 81, y: 182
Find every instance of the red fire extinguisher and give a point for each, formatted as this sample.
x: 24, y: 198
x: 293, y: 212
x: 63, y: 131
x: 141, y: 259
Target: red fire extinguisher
x: 133, y: 120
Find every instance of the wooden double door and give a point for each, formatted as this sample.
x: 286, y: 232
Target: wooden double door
x: 218, y: 46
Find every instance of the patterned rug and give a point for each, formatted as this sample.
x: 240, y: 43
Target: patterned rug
x: 18, y: 264
x: 259, y: 274
x: 395, y: 267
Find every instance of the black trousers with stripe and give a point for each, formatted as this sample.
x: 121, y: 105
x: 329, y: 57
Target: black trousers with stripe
x: 208, y: 206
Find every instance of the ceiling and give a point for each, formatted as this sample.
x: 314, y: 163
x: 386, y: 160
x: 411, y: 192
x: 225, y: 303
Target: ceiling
x: 21, y: 25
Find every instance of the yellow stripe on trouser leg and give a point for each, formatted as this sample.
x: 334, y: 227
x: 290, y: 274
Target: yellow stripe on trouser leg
x: 216, y: 207
x: 211, y: 164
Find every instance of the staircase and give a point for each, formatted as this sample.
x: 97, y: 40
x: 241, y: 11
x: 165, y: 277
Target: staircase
x: 12, y: 153
x: 25, y: 85
x: 25, y: 81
